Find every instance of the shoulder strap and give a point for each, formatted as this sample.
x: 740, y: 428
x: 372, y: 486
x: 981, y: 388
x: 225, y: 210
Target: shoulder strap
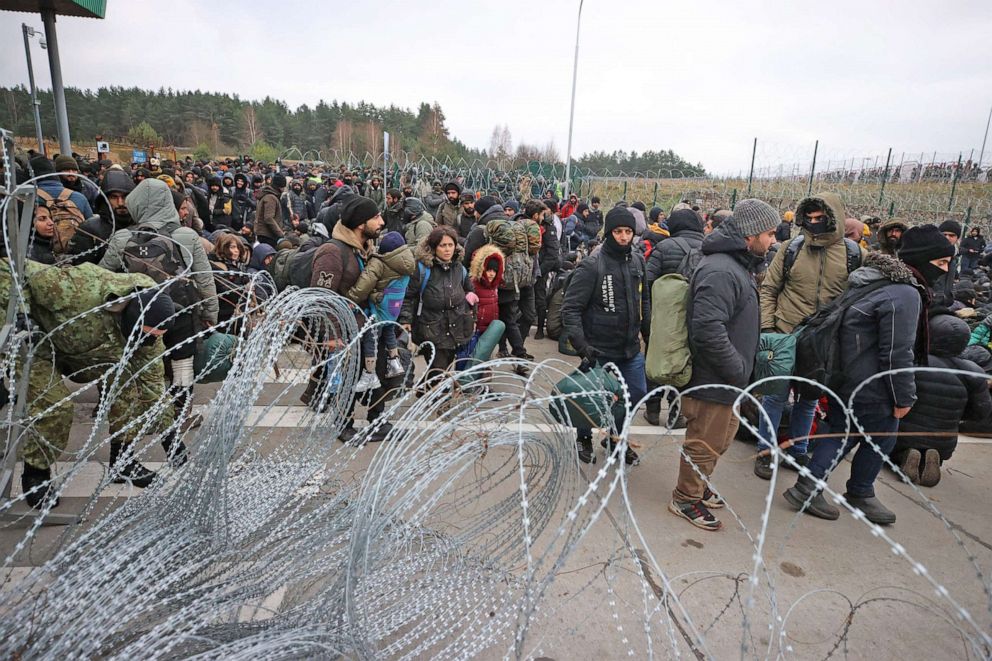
x: 681, y: 243
x: 853, y: 255
x: 791, y: 252
x: 44, y: 195
x: 65, y: 195
x: 425, y: 275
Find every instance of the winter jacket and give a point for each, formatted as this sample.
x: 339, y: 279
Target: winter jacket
x: 465, y: 224
x: 667, y: 256
x: 268, y: 216
x: 587, y: 229
x: 231, y: 286
x: 221, y: 209
x: 393, y: 216
x: 818, y: 274
x: 973, y: 246
x: 150, y: 203
x: 242, y: 204
x: 878, y: 333
x: 377, y: 195
x: 379, y: 271
x: 337, y: 264
x: 945, y: 399
x: 723, y: 315
x: 487, y: 309
x: 982, y: 333
x: 447, y: 214
x: 298, y: 204
x: 784, y: 232
x: 549, y: 257
x: 418, y: 229
x: 439, y: 315
x: 603, y: 305
x: 40, y: 249
x: 477, y: 236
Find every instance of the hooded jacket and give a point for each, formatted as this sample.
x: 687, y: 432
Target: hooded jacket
x: 878, y: 333
x: 440, y: 314
x: 884, y: 244
x: 549, y: 256
x: 268, y: 216
x: 667, y: 256
x: 379, y: 271
x: 150, y: 203
x: 336, y: 264
x: 603, y: 306
x: 418, y: 229
x: 818, y: 274
x: 447, y: 213
x: 945, y: 399
x: 487, y: 309
x: 723, y: 315
x: 331, y: 213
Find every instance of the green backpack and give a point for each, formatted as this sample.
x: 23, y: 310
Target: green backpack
x: 595, y: 396
x: 512, y: 238
x: 776, y: 357
x: 669, y: 361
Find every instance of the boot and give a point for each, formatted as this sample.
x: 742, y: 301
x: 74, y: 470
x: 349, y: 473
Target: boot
x: 348, y: 434
x: 182, y: 405
x: 36, y: 487
x: 381, y: 433
x: 930, y: 473
x: 175, y: 450
x: 818, y: 506
x: 873, y: 509
x: 909, y: 464
x: 652, y: 411
x: 126, y: 469
x: 763, y: 467
x: 584, y: 442
x: 630, y: 457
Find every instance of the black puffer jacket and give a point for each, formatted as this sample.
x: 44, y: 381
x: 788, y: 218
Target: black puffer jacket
x: 440, y: 315
x: 723, y: 315
x: 549, y: 257
x: 945, y: 399
x: 667, y: 255
x: 603, y: 306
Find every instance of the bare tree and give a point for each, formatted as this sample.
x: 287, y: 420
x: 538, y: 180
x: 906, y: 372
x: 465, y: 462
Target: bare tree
x: 501, y: 145
x: 253, y: 131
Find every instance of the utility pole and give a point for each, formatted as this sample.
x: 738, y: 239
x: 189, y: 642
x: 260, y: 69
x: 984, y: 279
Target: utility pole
x: 35, y: 103
x: 571, y: 112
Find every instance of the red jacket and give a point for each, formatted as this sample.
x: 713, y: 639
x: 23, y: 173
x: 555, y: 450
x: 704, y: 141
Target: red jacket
x: 567, y: 210
x: 487, y: 310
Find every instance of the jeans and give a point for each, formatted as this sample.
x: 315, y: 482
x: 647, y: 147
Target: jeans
x: 387, y: 335
x: 969, y: 262
x: 877, y: 420
x: 632, y: 370
x: 799, y: 424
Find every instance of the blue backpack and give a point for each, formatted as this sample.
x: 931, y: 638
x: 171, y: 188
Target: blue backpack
x: 388, y: 309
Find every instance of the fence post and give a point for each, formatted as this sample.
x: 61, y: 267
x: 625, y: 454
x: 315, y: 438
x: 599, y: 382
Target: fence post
x: 624, y: 197
x: 733, y: 200
x: 885, y: 176
x: 654, y: 203
x: 750, y: 175
x: 967, y: 221
x: 812, y: 169
x: 954, y: 183
x: 892, y: 208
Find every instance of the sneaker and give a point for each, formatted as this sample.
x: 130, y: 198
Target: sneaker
x: 347, y: 435
x: 539, y: 335
x: 521, y: 370
x: 910, y: 465
x: 394, y: 368
x: 502, y: 353
x: 630, y: 457
x: 524, y: 355
x: 712, y: 500
x: 930, y: 474
x: 763, y: 467
x: 368, y: 381
x: 695, y: 513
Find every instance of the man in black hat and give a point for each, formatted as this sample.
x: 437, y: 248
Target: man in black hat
x: 447, y: 213
x: 885, y: 329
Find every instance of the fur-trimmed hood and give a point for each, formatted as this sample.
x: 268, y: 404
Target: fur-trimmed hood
x: 426, y: 256
x: 478, y: 264
x: 879, y: 266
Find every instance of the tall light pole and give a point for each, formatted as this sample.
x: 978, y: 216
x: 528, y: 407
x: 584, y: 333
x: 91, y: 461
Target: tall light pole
x: 55, y: 66
x: 981, y: 155
x: 571, y: 112
x: 35, y: 103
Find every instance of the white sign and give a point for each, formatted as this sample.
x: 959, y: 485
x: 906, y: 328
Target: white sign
x: 102, y: 147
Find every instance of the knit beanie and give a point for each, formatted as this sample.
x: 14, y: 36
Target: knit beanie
x: 639, y: 206
x: 63, y: 163
x: 279, y: 181
x: 619, y: 217
x: 484, y: 203
x: 512, y: 204
x: 753, y: 217
x: 451, y: 185
x: 357, y: 211
x: 390, y: 242
x: 654, y: 213
x: 951, y: 227
x: 42, y: 165
x: 582, y: 207
x: 923, y: 244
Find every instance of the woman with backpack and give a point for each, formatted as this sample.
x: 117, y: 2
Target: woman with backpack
x: 438, y: 307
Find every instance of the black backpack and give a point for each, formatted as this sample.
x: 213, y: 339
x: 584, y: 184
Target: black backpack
x: 818, y: 342
x: 158, y: 256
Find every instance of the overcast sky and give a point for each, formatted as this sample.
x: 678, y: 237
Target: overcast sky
x: 701, y: 78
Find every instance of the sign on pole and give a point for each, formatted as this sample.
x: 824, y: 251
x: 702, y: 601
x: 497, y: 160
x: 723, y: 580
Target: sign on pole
x: 385, y: 154
x: 139, y: 156
x: 102, y: 147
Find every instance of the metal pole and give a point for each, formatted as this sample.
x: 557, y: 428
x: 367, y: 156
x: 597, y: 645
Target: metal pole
x: 954, y: 183
x: 812, y: 170
x: 35, y: 103
x: 571, y: 111
x: 981, y: 154
x: 61, y: 116
x: 885, y: 176
x: 750, y: 176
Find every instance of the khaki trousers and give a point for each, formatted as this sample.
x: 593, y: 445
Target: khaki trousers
x: 711, y: 428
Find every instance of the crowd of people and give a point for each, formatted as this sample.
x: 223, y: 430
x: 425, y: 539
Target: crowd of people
x: 469, y: 273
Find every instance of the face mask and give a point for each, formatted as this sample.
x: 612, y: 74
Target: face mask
x: 817, y: 229
x: 931, y: 273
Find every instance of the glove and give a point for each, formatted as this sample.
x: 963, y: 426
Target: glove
x: 471, y: 298
x: 590, y: 353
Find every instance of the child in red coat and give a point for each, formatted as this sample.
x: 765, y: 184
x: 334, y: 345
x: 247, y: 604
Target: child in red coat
x: 486, y: 271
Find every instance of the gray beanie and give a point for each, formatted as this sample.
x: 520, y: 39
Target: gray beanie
x: 753, y: 217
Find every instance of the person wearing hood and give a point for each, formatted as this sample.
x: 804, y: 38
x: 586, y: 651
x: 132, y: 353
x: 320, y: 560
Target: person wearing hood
x: 587, y: 226
x: 394, y: 260
x: 808, y: 272
x: 242, y: 203
x: 297, y: 204
x: 570, y: 206
x: 220, y: 204
x: 972, y: 248
x: 83, y: 336
x: 666, y: 258
x: 548, y: 260
x: 268, y: 216
x: 855, y: 230
x: 331, y: 213
x: 884, y: 329
x: 433, y: 200
x: 723, y: 319
x: 375, y: 192
x: 890, y: 235
x: 42, y: 234
x: 418, y: 223
x: 606, y: 314
x: 261, y: 256
x: 943, y: 400
x: 637, y: 210
x: 447, y: 213
x: 89, y: 243
x: 784, y: 231
x: 317, y: 235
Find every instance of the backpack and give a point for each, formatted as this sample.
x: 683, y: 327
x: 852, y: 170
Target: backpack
x: 158, y: 256
x: 515, y: 241
x: 792, y: 252
x: 66, y: 216
x: 532, y: 231
x: 669, y: 360
x: 818, y: 342
x: 388, y: 309
x: 292, y: 267
x: 690, y: 259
